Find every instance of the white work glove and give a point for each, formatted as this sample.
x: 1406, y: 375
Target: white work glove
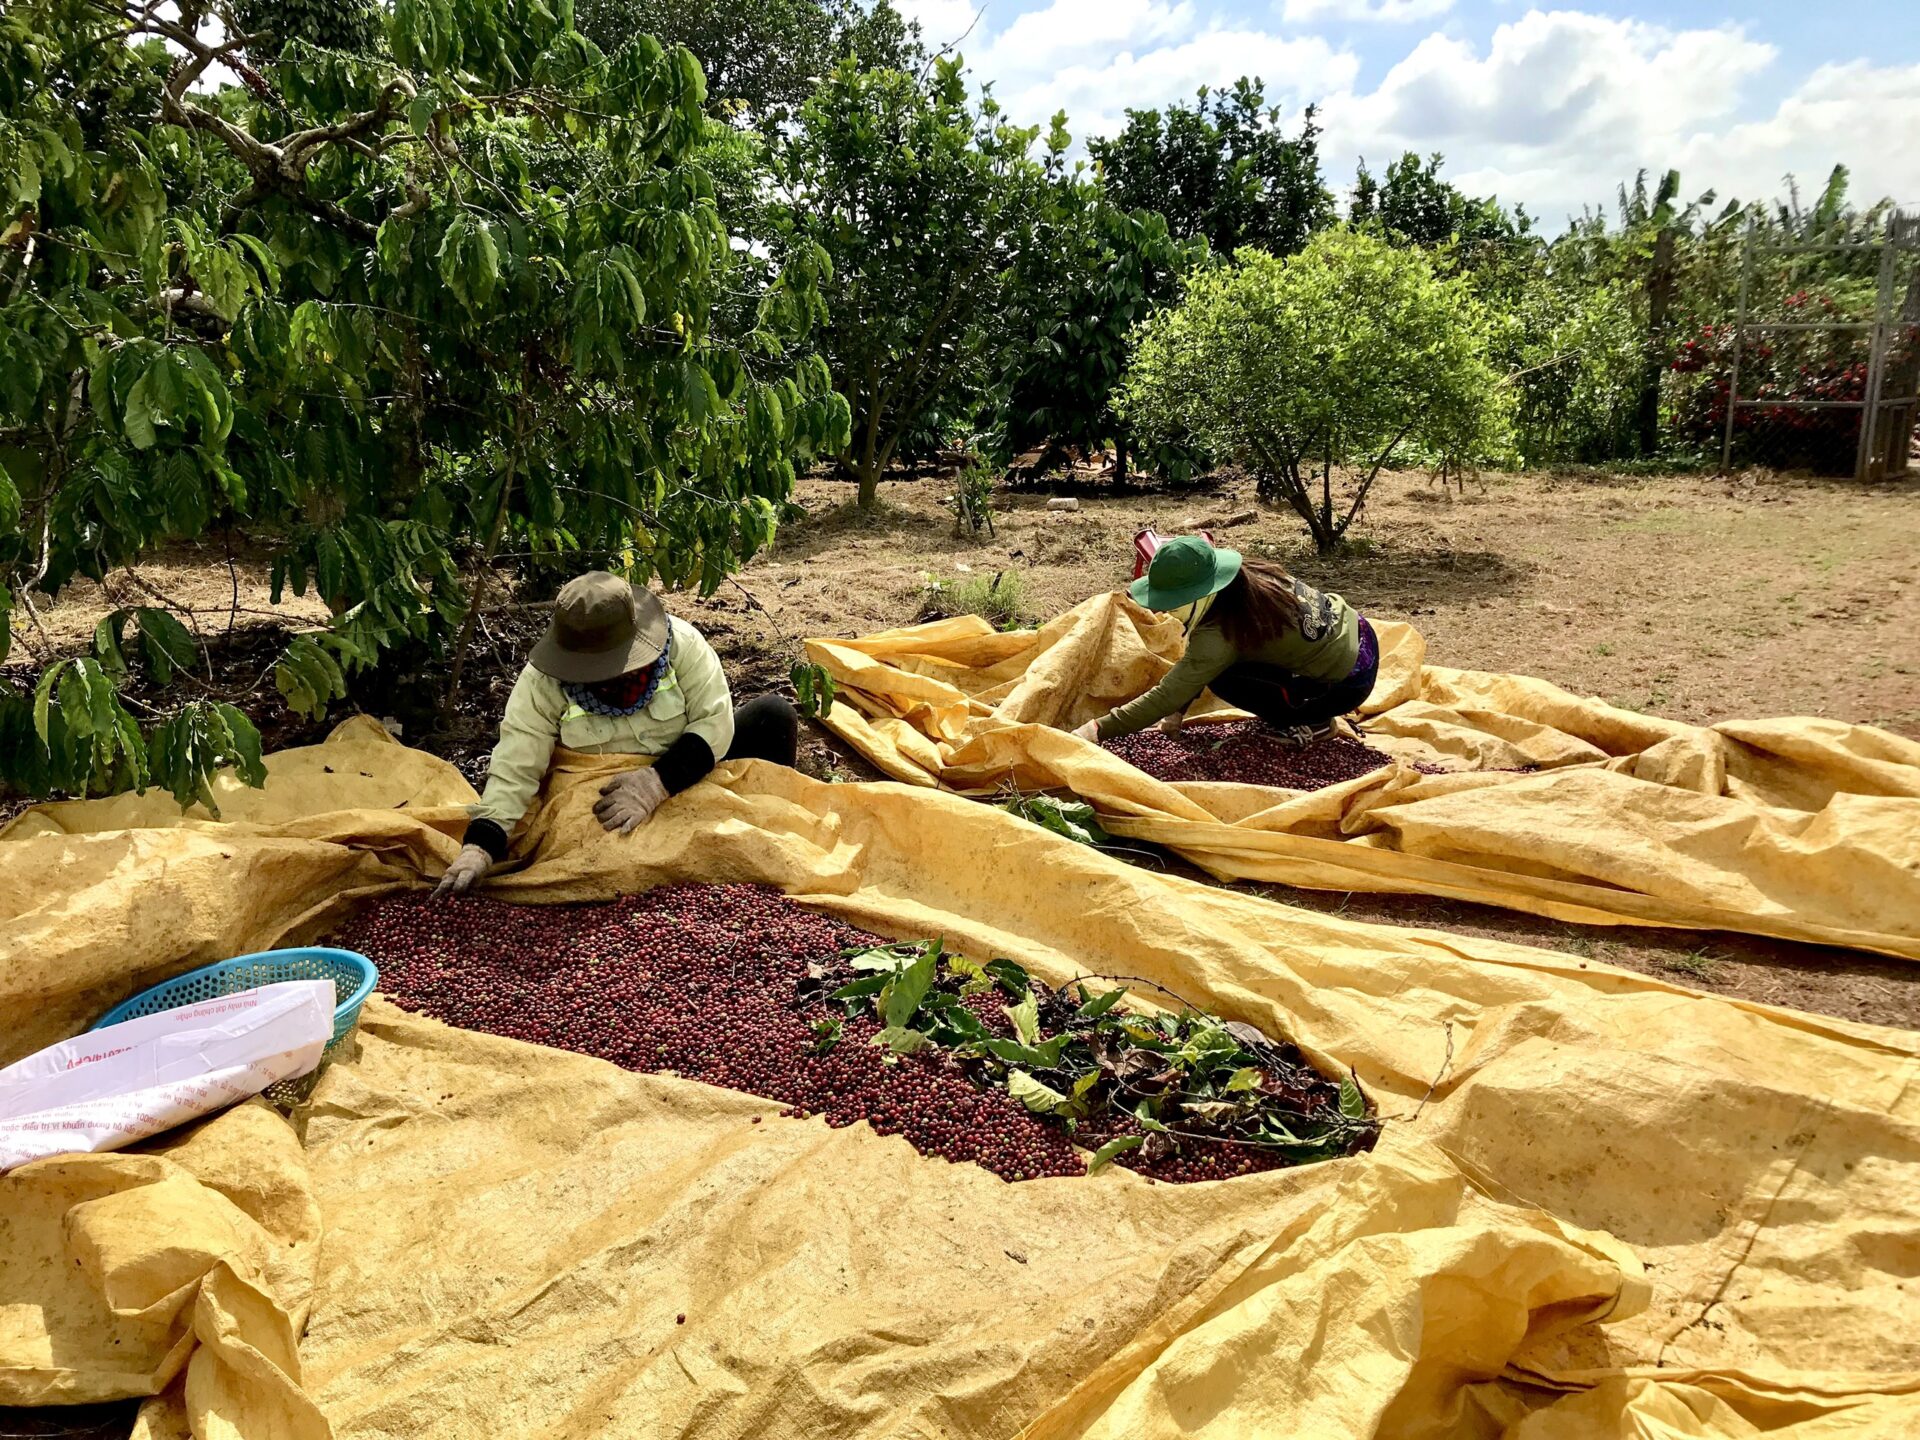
x: 629, y: 800
x: 468, y: 866
x: 1089, y: 731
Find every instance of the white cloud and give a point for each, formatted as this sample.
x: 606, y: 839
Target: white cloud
x: 944, y: 21
x: 1096, y: 92
x: 1310, y: 12
x: 1561, y: 106
x: 1552, y: 110
x: 1842, y: 114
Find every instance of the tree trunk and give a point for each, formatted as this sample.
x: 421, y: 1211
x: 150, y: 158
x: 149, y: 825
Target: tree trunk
x: 481, y: 578
x: 1659, y: 297
x: 868, y: 466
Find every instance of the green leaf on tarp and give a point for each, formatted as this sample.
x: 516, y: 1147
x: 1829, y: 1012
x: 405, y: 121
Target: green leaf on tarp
x: 1025, y: 1017
x: 1039, y: 1098
x: 1353, y: 1104
x: 859, y: 989
x: 901, y: 1040
x: 884, y: 958
x: 1009, y: 977
x: 1075, y: 819
x: 1143, y: 1112
x: 1043, y: 1056
x: 826, y: 1034
x: 1246, y: 1078
x: 1119, y: 1145
x: 974, y: 980
x: 911, y: 985
x: 1100, y: 1005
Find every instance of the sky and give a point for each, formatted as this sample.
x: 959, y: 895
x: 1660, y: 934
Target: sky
x: 1549, y: 108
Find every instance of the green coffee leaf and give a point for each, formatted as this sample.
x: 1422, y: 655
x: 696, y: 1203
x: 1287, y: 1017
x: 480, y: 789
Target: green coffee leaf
x: 1009, y: 977
x: 1025, y: 1017
x: 902, y: 1041
x: 1353, y: 1104
x: 911, y: 985
x: 1119, y: 1145
x: 1044, y: 1056
x: 1039, y: 1098
x: 166, y: 643
x: 1100, y: 1005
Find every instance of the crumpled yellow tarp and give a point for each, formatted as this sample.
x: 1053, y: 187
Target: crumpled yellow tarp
x: 1603, y: 1206
x: 1802, y: 829
x: 190, y: 1266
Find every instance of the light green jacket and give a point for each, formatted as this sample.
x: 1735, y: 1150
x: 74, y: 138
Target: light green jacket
x: 693, y: 697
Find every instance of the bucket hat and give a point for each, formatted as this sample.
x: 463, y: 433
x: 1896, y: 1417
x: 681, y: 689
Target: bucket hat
x: 602, y: 628
x: 1184, y: 570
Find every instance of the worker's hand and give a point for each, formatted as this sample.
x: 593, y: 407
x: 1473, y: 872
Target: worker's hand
x: 1173, y: 724
x: 468, y: 866
x: 1089, y: 731
x: 629, y: 800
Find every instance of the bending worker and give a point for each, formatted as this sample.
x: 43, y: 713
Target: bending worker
x: 616, y: 675
x: 1259, y: 639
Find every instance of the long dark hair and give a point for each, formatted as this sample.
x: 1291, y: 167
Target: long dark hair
x: 1257, y: 604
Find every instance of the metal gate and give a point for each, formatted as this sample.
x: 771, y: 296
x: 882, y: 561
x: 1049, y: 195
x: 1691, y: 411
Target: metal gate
x: 1889, y: 404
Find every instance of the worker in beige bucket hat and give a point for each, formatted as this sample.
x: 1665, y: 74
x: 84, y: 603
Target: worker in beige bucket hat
x: 615, y: 674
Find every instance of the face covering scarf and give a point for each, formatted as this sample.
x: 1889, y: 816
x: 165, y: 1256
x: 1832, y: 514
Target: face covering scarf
x: 624, y: 694
x: 1191, y: 614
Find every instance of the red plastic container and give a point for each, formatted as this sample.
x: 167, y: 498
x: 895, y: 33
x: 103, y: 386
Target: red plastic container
x: 1147, y: 542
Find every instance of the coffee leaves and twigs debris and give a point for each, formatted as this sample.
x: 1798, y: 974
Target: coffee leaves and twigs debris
x: 1070, y: 817
x: 1186, y: 1091
x: 737, y: 986
x: 1074, y: 819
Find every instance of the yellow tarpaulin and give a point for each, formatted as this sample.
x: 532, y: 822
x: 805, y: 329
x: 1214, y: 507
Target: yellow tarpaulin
x: 1603, y: 1206
x: 1802, y: 829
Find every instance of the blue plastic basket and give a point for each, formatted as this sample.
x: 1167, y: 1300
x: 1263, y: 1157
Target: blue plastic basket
x: 353, y: 978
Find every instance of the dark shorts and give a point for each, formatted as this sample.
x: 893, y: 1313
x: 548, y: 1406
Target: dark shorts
x: 1282, y: 698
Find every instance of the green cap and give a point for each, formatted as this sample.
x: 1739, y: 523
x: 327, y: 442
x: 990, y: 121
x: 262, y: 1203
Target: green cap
x: 1184, y: 570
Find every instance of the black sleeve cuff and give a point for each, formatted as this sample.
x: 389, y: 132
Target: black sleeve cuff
x: 686, y: 763
x: 489, y: 836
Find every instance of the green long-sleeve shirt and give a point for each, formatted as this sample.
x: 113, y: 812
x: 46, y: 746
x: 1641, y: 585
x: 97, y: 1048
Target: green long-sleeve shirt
x: 1323, y: 647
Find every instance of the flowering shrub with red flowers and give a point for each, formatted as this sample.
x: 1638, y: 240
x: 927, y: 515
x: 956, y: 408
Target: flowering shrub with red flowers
x: 1788, y: 367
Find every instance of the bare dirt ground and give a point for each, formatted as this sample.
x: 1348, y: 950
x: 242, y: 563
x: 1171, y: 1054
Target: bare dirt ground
x: 1697, y: 597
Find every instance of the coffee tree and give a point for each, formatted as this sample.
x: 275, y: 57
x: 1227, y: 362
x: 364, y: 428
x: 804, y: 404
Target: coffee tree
x: 1314, y: 370
x: 397, y: 315
x: 1084, y: 272
x: 915, y: 195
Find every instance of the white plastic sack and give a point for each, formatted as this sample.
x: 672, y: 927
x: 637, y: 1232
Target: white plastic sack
x: 110, y: 1087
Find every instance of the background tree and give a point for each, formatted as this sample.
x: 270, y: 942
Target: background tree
x: 1416, y: 207
x: 400, y: 321
x: 762, y: 58
x: 1327, y: 361
x: 1084, y: 274
x: 916, y: 197
x: 1223, y: 169
x: 352, y: 25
